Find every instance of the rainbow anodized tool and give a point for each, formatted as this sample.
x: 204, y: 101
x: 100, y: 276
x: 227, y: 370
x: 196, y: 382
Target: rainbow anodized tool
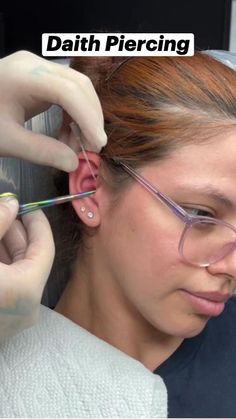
x: 33, y: 206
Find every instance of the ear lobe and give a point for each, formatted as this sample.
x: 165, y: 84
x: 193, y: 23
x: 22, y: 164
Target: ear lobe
x: 82, y: 180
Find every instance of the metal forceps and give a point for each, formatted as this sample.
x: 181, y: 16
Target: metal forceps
x: 33, y: 206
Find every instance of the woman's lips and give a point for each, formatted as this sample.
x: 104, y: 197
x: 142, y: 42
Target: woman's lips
x: 203, y: 305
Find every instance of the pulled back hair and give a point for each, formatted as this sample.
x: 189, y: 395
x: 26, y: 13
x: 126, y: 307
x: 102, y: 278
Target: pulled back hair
x: 152, y: 106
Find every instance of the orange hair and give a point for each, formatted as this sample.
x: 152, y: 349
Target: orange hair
x: 154, y: 104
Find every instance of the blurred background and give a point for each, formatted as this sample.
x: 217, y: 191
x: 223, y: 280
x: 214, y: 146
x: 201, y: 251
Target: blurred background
x: 213, y: 22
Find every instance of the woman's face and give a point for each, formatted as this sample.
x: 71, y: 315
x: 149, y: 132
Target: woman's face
x: 138, y: 240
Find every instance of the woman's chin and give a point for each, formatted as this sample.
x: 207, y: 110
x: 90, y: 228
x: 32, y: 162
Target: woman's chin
x: 195, y: 330
x: 189, y: 328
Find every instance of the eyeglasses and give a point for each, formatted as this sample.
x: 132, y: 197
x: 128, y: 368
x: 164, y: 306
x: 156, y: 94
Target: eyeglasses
x: 204, y: 240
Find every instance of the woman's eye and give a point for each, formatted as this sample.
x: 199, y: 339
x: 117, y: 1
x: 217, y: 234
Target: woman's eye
x: 199, y: 212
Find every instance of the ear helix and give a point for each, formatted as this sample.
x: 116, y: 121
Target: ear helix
x: 76, y: 131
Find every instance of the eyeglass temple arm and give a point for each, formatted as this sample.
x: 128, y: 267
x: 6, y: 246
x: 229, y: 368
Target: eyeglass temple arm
x: 175, y: 208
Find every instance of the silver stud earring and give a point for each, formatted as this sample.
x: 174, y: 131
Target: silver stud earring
x: 90, y: 214
x: 82, y: 209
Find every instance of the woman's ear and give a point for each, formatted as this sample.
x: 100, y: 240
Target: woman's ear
x: 82, y: 180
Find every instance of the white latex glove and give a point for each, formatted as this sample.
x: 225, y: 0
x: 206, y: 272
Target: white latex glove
x: 26, y: 255
x: 29, y: 85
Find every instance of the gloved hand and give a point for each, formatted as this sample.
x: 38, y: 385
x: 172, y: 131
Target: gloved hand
x: 29, y: 85
x: 26, y: 255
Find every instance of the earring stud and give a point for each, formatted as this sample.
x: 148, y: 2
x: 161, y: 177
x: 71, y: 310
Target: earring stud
x: 90, y: 214
x: 82, y: 209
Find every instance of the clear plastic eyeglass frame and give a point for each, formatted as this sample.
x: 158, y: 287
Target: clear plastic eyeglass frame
x: 188, y: 219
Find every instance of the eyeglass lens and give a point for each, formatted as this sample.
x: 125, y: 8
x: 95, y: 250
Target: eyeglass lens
x: 203, y: 243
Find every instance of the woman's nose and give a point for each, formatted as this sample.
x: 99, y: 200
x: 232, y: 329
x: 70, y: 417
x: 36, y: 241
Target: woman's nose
x: 226, y: 266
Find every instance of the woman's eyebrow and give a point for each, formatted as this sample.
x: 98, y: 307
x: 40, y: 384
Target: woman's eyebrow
x: 212, y: 192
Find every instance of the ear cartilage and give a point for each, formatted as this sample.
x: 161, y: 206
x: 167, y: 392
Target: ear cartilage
x: 76, y: 131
